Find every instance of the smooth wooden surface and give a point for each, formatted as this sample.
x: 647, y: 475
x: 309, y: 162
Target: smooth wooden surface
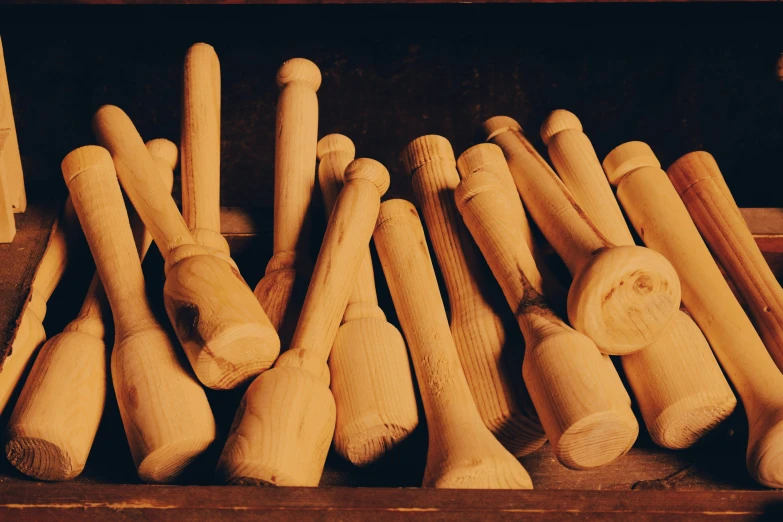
x: 10, y: 160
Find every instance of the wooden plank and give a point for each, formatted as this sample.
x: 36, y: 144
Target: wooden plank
x: 313, y: 2
x: 10, y: 157
x: 7, y: 223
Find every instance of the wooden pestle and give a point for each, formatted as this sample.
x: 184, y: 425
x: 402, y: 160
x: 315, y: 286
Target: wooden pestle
x: 56, y: 417
x: 476, y: 324
x: 621, y: 297
x: 167, y: 419
x: 222, y: 327
x: 663, y: 223
x: 281, y: 291
x: 681, y: 390
x: 575, y: 393
x: 370, y: 372
x: 286, y: 419
x: 462, y: 452
x: 701, y: 186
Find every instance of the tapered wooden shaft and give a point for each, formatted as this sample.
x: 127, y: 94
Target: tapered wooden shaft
x: 699, y: 182
x: 371, y: 376
x: 476, y: 325
x: 10, y: 159
x: 167, y: 419
x: 285, y: 422
x: 56, y: 417
x: 281, y: 290
x: 574, y: 391
x: 663, y: 223
x: 622, y: 298
x: 681, y: 390
x: 226, y: 335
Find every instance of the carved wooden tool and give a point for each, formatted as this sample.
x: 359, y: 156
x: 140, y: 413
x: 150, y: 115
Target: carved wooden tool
x: 223, y: 329
x: 285, y: 422
x: 167, y: 419
x: 370, y: 371
x: 680, y: 388
x: 574, y: 391
x: 477, y: 328
x: 660, y: 218
x: 700, y: 184
x: 283, y: 286
x: 56, y: 417
x: 621, y: 297
x: 462, y: 451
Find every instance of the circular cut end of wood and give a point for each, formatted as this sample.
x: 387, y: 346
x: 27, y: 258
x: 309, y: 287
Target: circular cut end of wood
x: 165, y: 150
x: 498, y: 125
x: 372, y: 440
x: 686, y: 421
x: 39, y: 458
x: 335, y: 143
x: 597, y: 439
x: 396, y: 209
x: 371, y: 170
x: 299, y: 70
x: 164, y: 464
x: 765, y: 456
x: 624, y: 298
x: 690, y: 169
x: 558, y: 121
x: 427, y: 149
x: 628, y: 157
x: 480, y: 157
x: 89, y: 158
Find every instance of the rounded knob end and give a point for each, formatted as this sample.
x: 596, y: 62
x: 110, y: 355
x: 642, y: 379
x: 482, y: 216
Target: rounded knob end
x: 165, y: 150
x: 335, y: 143
x: 299, y: 70
x: 628, y: 157
x: 394, y: 208
x: 498, y: 125
x: 86, y: 158
x: 558, y: 121
x: 370, y: 170
x: 426, y: 149
x: 480, y: 157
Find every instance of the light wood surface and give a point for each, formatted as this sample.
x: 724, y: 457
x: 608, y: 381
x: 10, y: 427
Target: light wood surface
x: 587, y: 421
x: 370, y: 372
x: 678, y: 384
x: 462, y: 452
x: 663, y: 223
x: 10, y: 160
x: 281, y: 291
x: 621, y: 297
x: 167, y: 419
x: 286, y: 420
x: 56, y: 417
x: 7, y: 222
x: 701, y: 186
x: 477, y: 326
x: 225, y: 333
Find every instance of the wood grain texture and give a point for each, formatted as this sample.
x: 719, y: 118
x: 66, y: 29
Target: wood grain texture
x: 462, y: 452
x: 678, y: 384
x: 10, y: 159
x: 663, y: 223
x: 370, y: 372
x: 621, y: 297
x: 477, y: 321
x: 7, y: 224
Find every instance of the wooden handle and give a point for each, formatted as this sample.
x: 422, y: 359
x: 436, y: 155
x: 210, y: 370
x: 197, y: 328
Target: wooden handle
x: 699, y: 182
x: 462, y: 451
x: 621, y: 297
x: 662, y: 221
x: 167, y: 419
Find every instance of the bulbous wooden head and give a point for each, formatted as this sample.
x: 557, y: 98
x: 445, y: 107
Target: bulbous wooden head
x: 559, y: 121
x: 628, y: 157
x: 765, y: 446
x: 299, y: 70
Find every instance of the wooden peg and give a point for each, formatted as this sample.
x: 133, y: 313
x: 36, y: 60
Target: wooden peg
x: 621, y: 297
x: 167, y: 419
x: 476, y: 324
x: 662, y: 221
x: 700, y: 184
x: 10, y: 159
x: 574, y: 392
x: 462, y: 451
x: 370, y: 372
x: 56, y: 417
x: 223, y: 329
x: 285, y: 422
x: 282, y: 288
x: 681, y: 390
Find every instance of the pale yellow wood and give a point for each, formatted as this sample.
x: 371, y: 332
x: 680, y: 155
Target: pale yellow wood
x: 55, y: 419
x: 7, y: 222
x: 285, y: 422
x: 587, y: 419
x: 227, y: 337
x: 701, y: 186
x: 663, y: 223
x: 476, y: 324
x: 462, y: 452
x: 370, y: 371
x: 681, y: 390
x: 621, y: 297
x: 281, y: 290
x: 11, y: 160
x: 167, y: 419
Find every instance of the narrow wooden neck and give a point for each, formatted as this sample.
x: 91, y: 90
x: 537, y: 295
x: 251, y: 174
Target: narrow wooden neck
x: 93, y: 312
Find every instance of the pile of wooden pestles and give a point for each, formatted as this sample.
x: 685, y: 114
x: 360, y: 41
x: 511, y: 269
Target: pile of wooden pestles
x: 344, y: 375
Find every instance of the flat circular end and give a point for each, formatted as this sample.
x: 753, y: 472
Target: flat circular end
x: 370, y: 170
x: 690, y: 169
x: 498, y: 125
x: 558, y: 121
x: 299, y: 70
x: 765, y: 457
x: 426, y: 149
x: 395, y: 208
x: 597, y: 439
x: 684, y: 422
x: 628, y: 157
x: 39, y: 458
x: 335, y: 143
x: 479, y: 157
x: 165, y: 150
x: 90, y: 157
